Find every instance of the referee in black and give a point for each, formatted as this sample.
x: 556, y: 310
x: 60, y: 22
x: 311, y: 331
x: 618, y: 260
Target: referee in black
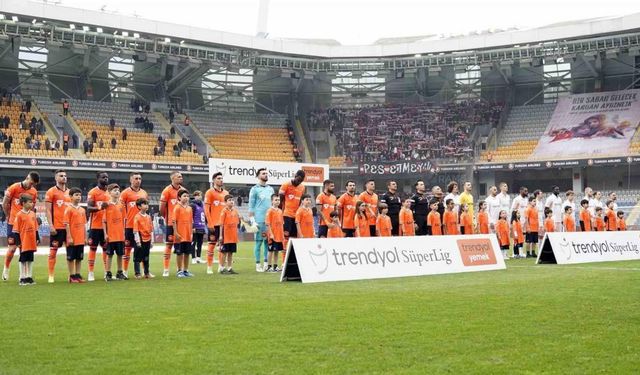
x: 420, y: 207
x: 391, y: 198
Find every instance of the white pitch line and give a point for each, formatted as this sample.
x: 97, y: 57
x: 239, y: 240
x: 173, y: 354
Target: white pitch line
x: 550, y: 266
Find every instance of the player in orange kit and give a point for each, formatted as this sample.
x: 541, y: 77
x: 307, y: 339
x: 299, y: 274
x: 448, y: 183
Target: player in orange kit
x: 213, y: 206
x: 168, y: 202
x: 56, y: 200
x: 129, y: 197
x: 75, y: 221
x: 97, y: 201
x: 183, y: 233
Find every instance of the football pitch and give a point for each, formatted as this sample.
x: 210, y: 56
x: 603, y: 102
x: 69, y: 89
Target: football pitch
x: 526, y: 319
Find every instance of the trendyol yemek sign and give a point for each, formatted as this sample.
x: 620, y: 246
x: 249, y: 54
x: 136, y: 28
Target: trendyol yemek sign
x: 335, y: 259
x: 237, y: 171
x: 587, y: 247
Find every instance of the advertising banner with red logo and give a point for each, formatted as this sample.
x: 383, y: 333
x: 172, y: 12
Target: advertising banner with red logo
x: 591, y: 125
x: 589, y: 247
x: 337, y: 259
x: 236, y: 171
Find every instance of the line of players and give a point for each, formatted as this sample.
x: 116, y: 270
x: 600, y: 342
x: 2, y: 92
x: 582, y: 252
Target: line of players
x: 119, y: 222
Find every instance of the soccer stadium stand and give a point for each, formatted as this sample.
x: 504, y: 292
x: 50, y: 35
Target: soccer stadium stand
x: 139, y: 144
x: 245, y: 135
x: 405, y: 132
x: 525, y: 125
x: 17, y: 132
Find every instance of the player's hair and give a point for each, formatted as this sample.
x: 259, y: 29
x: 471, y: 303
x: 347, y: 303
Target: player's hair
x: 502, y: 183
x: 611, y: 192
x: 112, y: 186
x: 382, y: 206
x: 451, y: 185
x: 74, y: 190
x: 215, y: 175
x: 141, y: 201
x: 182, y: 192
x: 567, y: 208
x: 598, y: 209
x: 333, y: 214
x: 480, y: 204
x: 448, y: 201
x: 326, y: 183
x: 34, y: 177
x: 59, y: 171
x: 228, y: 197
x: 548, y: 211
x: 135, y: 174
x: 349, y: 182
x: 554, y: 187
x: 100, y: 173
x: 300, y: 173
x: 24, y: 198
x: 620, y: 213
x: 197, y: 192
x: 275, y: 196
x: 257, y: 172
x: 532, y: 198
x: 305, y: 196
x: 569, y: 192
x: 417, y: 182
x: 433, y: 201
x: 389, y: 182
x: 173, y: 173
x: 583, y: 202
x: 369, y: 180
x: 523, y: 188
x: 536, y: 192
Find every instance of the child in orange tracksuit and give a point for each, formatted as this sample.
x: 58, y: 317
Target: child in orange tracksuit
x: 549, y: 224
x: 275, y: 233
x: 518, y: 236
x: 361, y: 221
x: 229, y: 221
x: 568, y: 222
x: 383, y: 221
x: 466, y: 221
x: 434, y: 223
x: 585, y: 216
x: 25, y: 225
x: 599, y: 225
x: 483, y: 218
x: 182, y: 233
x: 622, y: 225
x: 113, y: 226
x: 407, y: 223
x: 502, y: 231
x: 335, y: 231
x: 75, y: 220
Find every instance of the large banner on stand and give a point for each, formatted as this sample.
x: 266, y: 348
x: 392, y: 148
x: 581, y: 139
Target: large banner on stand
x: 591, y: 125
x: 236, y: 171
x: 588, y: 247
x: 335, y: 259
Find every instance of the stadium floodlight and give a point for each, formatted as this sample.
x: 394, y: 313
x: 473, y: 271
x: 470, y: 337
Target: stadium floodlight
x: 14, y: 18
x: 125, y: 33
x: 417, y: 55
x: 85, y: 28
x: 182, y: 42
x: 115, y: 32
x: 167, y: 40
x: 72, y: 26
x: 99, y: 29
x: 136, y: 35
x: 33, y: 21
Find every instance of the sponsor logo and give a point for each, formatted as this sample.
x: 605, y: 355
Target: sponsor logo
x: 320, y: 259
x: 74, y: 163
x: 476, y: 252
x: 34, y: 162
x: 565, y: 247
x: 154, y: 166
x: 114, y: 165
x: 313, y: 174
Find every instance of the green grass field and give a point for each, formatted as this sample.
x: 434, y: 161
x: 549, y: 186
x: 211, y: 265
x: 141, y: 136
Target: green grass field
x: 526, y: 319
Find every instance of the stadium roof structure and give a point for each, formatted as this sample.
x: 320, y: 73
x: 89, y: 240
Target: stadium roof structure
x: 43, y: 21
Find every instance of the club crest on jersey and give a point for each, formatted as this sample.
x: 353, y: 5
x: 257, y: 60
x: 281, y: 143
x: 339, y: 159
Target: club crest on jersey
x: 291, y: 196
x: 349, y: 207
x: 174, y: 201
x: 216, y: 203
x: 132, y: 204
x: 59, y: 202
x: 326, y: 205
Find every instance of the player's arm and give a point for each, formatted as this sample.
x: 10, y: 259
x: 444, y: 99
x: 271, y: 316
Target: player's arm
x: 49, y: 207
x: 104, y: 229
x: 174, y: 224
x: 429, y: 228
x: 252, y: 202
x: 582, y: 227
x: 163, y: 208
x: 67, y: 227
x: 223, y: 217
x: 322, y: 215
x: 6, y: 203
